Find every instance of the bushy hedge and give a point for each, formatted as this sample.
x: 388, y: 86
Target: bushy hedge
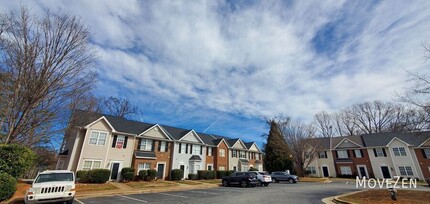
x: 203, y: 174
x: 177, y: 174
x: 253, y: 169
x: 151, y: 174
x: 15, y: 159
x: 143, y: 174
x: 220, y: 174
x: 193, y: 176
x: 127, y: 173
x: 7, y: 186
x: 93, y: 176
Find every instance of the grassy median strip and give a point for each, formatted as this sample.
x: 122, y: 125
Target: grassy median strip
x: 94, y: 187
x: 383, y: 196
x: 188, y: 182
x: 150, y: 184
x: 214, y: 181
x: 311, y: 179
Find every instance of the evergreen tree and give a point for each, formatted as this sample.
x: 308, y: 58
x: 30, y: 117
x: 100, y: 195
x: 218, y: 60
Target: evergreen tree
x: 277, y: 156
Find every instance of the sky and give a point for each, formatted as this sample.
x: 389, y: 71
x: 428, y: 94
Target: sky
x: 223, y: 67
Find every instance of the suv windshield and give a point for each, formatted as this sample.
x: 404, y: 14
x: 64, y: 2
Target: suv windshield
x: 263, y: 173
x: 54, y: 177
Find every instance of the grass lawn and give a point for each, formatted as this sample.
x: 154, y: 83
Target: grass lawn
x: 311, y: 179
x: 188, y: 182
x: 94, y: 187
x: 212, y: 181
x: 383, y: 196
x: 150, y: 184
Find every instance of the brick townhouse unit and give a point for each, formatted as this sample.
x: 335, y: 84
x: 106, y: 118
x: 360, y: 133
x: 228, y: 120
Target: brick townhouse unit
x: 379, y: 155
x: 103, y: 141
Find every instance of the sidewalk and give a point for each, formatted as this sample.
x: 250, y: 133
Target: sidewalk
x: 124, y: 189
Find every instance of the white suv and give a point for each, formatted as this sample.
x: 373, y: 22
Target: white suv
x: 52, y: 186
x: 263, y: 177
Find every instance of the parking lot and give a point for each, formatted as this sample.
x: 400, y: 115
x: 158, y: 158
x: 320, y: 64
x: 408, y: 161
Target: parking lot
x: 274, y: 193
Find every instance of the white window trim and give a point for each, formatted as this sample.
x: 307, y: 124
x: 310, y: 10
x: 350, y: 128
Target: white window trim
x: 427, y: 153
x: 210, y: 165
x: 399, y: 152
x: 359, y: 153
x: 322, y: 155
x: 344, y: 154
x: 406, y: 171
x: 379, y: 152
x: 209, y: 149
x: 148, y: 145
x: 312, y: 170
x: 98, y: 138
x: 92, y: 164
x: 164, y: 168
x: 144, y: 168
x: 347, y: 168
x: 222, y: 152
x: 120, y: 139
x: 162, y: 146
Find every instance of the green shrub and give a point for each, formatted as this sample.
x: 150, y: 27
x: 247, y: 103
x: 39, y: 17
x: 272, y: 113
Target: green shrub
x: 7, y: 186
x: 203, y: 174
x: 177, y: 174
x: 253, y: 169
x: 127, y: 173
x: 143, y: 174
x: 193, y: 176
x: 82, y: 176
x: 221, y: 174
x: 15, y: 159
x: 151, y: 174
x: 98, y: 175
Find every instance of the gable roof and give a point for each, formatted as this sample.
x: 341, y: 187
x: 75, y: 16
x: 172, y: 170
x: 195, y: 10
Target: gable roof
x: 207, y: 139
x: 383, y: 139
x: 355, y: 139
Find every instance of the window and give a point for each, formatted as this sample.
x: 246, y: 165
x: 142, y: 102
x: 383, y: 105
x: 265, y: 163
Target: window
x: 426, y: 153
x: 357, y: 153
x: 162, y: 146
x: 257, y: 156
x: 209, y: 151
x: 196, y: 149
x: 143, y: 166
x: 222, y: 152
x: 345, y: 170
x: 119, y: 141
x: 406, y: 171
x: 60, y: 165
x: 322, y: 154
x: 98, y: 138
x: 233, y: 153
x: 242, y: 154
x: 221, y: 168
x: 234, y: 168
x: 210, y: 167
x: 312, y: 170
x: 399, y: 151
x: 379, y: 152
x: 145, y: 145
x: 91, y: 164
x: 183, y: 148
x: 342, y: 154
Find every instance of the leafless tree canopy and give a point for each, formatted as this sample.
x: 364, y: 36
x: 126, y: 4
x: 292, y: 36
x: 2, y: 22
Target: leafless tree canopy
x: 371, y: 117
x: 45, y: 63
x: 302, y: 146
x: 118, y: 107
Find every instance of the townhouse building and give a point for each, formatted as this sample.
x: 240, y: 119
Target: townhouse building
x: 379, y: 155
x: 103, y: 141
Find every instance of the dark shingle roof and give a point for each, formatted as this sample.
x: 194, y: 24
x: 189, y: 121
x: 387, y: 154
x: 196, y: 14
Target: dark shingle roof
x: 231, y: 142
x: 207, y: 139
x: 320, y: 142
x: 382, y: 139
x: 354, y: 138
x: 244, y: 161
x: 195, y: 158
x: 174, y: 132
x: 146, y: 155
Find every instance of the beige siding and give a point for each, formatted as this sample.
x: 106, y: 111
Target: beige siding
x: 346, y: 144
x: 239, y: 145
x: 155, y: 132
x: 254, y: 148
x: 407, y: 160
x: 377, y: 162
x: 191, y: 137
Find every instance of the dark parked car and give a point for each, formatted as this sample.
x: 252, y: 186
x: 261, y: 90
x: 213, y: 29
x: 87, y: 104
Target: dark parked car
x: 283, y: 176
x: 243, y: 179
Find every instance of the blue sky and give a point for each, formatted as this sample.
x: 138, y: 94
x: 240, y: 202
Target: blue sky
x: 224, y: 66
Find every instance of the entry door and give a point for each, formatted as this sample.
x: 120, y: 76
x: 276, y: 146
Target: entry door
x: 325, y: 171
x: 362, y: 170
x: 114, y: 170
x: 160, y: 171
x: 182, y: 167
x: 385, y: 172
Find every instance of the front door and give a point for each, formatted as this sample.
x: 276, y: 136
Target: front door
x: 160, y: 171
x: 325, y: 171
x: 182, y: 167
x: 362, y: 170
x: 114, y: 170
x: 385, y: 172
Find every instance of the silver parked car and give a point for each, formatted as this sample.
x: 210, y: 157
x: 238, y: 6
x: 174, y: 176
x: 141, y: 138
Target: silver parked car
x: 283, y: 176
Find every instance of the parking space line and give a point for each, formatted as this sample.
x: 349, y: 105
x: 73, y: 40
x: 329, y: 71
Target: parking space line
x: 167, y: 194
x: 204, y: 192
x: 135, y: 199
x: 79, y: 201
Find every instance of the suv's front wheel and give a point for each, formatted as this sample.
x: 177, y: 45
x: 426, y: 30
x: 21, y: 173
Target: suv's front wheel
x: 243, y: 184
x: 225, y: 183
x: 70, y: 201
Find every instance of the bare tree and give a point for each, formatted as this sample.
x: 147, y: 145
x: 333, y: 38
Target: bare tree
x: 45, y: 63
x: 324, y: 122
x: 303, y: 147
x: 118, y: 107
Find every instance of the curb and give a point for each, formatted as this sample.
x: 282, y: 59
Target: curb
x: 336, y: 199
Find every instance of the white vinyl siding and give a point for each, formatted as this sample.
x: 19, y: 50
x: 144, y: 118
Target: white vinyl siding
x: 345, y: 170
x: 98, y: 138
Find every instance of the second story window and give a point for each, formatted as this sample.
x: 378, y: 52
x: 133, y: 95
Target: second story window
x: 322, y: 155
x: 357, y: 153
x: 257, y: 156
x: 379, y: 152
x: 242, y: 154
x: 399, y: 151
x: 196, y: 149
x: 98, y: 138
x: 209, y: 151
x: 426, y: 153
x: 342, y: 154
x: 145, y: 145
x: 119, y: 142
x: 233, y: 153
x: 222, y: 152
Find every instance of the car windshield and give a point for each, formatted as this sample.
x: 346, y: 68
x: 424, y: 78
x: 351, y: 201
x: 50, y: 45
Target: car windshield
x: 54, y: 177
x: 263, y: 173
